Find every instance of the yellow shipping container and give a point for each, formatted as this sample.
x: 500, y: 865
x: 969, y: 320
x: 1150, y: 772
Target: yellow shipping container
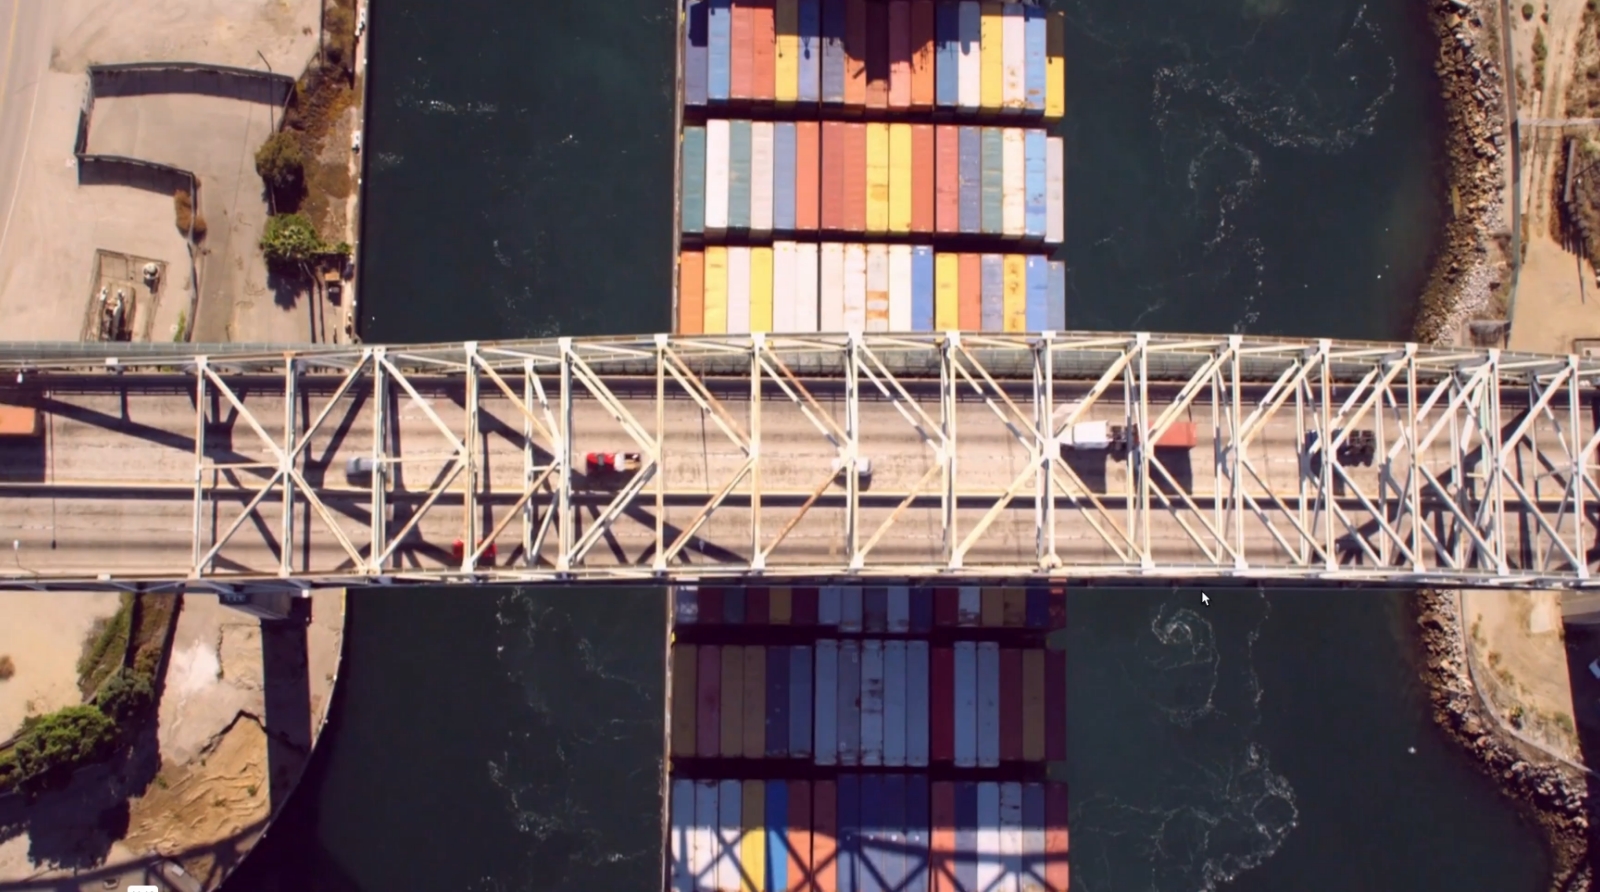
x: 788, y: 55
x: 877, y: 177
x: 899, y: 177
x: 946, y: 285
x: 753, y: 843
x: 716, y: 319
x: 1055, y: 77
x: 991, y: 54
x: 1015, y: 293
x: 760, y: 289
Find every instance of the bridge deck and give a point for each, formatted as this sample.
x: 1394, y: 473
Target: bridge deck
x: 739, y: 440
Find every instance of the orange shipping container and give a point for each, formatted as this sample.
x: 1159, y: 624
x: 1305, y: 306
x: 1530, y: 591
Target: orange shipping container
x: 899, y: 53
x: 877, y: 55
x: 946, y: 171
x: 808, y: 164
x: 991, y: 611
x: 741, y: 58
x: 922, y: 188
x: 969, y: 292
x: 763, y: 49
x: 855, y: 52
x: 854, y: 162
x: 922, y: 73
x: 691, y: 292
x: 835, y: 138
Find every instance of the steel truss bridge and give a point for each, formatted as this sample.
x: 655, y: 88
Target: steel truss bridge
x: 228, y: 468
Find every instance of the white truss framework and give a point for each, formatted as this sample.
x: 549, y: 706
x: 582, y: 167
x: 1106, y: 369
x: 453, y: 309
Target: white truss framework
x: 1243, y: 460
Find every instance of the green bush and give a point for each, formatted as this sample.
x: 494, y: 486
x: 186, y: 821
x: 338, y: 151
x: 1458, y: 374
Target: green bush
x: 125, y: 695
x: 280, y: 163
x: 291, y: 238
x: 1527, y: 12
x: 53, y: 745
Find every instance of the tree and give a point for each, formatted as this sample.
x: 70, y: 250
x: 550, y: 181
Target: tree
x: 62, y: 741
x: 290, y: 238
x: 280, y: 163
x: 125, y: 695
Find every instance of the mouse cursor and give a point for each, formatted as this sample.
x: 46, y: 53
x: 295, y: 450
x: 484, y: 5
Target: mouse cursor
x: 1205, y: 599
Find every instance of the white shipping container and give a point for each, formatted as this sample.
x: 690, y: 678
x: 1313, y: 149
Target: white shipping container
x: 832, y: 288
x: 849, y: 703
x: 850, y: 609
x: 899, y: 290
x: 1010, y: 836
x: 828, y: 606
x: 738, y: 290
x: 703, y: 852
x: 969, y: 87
x: 717, y: 174
x: 894, y: 703
x: 728, y: 834
x: 877, y: 288
x: 989, y: 863
x: 872, y: 702
x: 683, y: 871
x: 988, y: 704
x: 761, y: 176
x: 783, y: 286
x: 804, y: 314
x: 1013, y: 183
x: 855, y: 288
x: 917, y: 704
x: 969, y: 606
x: 966, y: 706
x: 1013, y: 71
x: 825, y: 717
x: 1055, y: 190
x: 899, y: 602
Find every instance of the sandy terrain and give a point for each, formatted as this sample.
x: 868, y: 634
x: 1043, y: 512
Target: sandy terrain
x: 43, y: 633
x: 1521, y: 665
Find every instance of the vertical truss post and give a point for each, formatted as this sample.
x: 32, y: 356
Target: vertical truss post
x: 1146, y: 561
x: 469, y: 480
x: 947, y: 427
x: 286, y: 533
x: 659, y: 553
x: 199, y: 460
x: 1414, y: 477
x: 1494, y: 442
x: 529, y: 511
x: 565, y: 533
x: 758, y: 561
x: 1045, y: 403
x: 381, y: 469
x: 1580, y: 470
x: 1303, y: 464
x: 1327, y: 438
x: 852, y: 430
x: 1235, y: 415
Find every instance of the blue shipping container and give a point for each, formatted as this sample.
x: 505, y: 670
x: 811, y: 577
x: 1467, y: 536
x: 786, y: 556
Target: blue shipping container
x: 917, y: 703
x: 988, y: 704
x: 947, y: 54
x: 1034, y: 81
x: 899, y: 609
x: 694, y: 178
x: 685, y: 606
x: 696, y: 43
x: 826, y: 751
x: 921, y: 301
x: 1058, y: 295
x: 849, y: 701
x: 894, y: 704
x: 828, y: 605
x: 810, y: 50
x: 966, y: 835
x: 870, y: 853
x: 970, y: 174
x: 833, y: 51
x: 777, y: 703
x: 719, y: 32
x: 1034, y: 153
x: 918, y: 818
x: 783, y: 175
x: 682, y: 830
x: 1033, y: 853
x: 848, y: 826
x: 800, y: 702
x: 993, y: 294
x: 777, y: 867
x: 733, y: 598
x: 1038, y: 605
x: 1038, y: 297
x: 993, y: 182
x: 739, y: 192
x: 921, y: 610
x: 729, y: 806
x: 850, y: 609
x: 892, y: 820
x: 875, y: 609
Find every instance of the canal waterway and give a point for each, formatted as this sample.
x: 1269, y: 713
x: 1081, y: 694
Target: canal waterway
x: 1263, y: 166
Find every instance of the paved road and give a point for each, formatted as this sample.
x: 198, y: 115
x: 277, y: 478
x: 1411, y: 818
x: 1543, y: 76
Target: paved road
x: 25, y: 37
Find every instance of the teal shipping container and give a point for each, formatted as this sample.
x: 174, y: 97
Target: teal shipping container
x: 993, y: 293
x: 694, y: 179
x: 1035, y: 156
x: 993, y: 183
x: 1038, y: 293
x: 739, y: 145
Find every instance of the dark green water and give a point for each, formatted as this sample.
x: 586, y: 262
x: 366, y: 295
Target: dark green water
x: 1256, y: 165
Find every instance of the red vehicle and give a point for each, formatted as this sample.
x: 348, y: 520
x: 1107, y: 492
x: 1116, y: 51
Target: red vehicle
x: 612, y: 462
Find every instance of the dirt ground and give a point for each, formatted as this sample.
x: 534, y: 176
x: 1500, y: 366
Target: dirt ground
x: 1520, y: 664
x: 43, y: 634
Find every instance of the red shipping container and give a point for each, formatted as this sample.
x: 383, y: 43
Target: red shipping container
x: 1010, y: 704
x: 835, y: 138
x: 1057, y: 874
x: 945, y: 604
x: 969, y: 294
x: 803, y: 612
x: 855, y: 52
x: 922, y: 75
x: 1058, y: 608
x: 877, y: 55
x: 942, y: 842
x: 708, y: 702
x: 825, y: 835
x: 942, y: 705
x: 855, y: 177
x: 797, y: 833
x: 899, y: 53
x: 808, y: 168
x: 947, y: 176
x: 756, y: 610
x: 763, y: 50
x: 710, y: 603
x: 741, y: 58
x: 922, y: 161
x: 691, y: 292
x: 1055, y: 705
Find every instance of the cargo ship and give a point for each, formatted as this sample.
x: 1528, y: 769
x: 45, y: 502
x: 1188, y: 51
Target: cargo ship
x: 867, y: 165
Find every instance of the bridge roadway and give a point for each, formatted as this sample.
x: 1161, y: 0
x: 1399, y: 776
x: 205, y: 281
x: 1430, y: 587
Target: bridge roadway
x: 130, y: 485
